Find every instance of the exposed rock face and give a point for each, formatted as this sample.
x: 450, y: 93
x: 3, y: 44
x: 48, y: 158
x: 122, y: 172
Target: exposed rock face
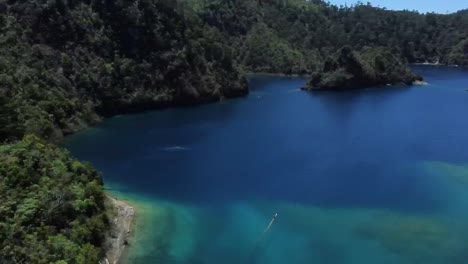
x: 121, y: 230
x: 420, y: 83
x: 348, y: 69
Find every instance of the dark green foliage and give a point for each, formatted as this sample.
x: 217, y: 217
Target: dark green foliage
x: 297, y: 36
x: 348, y: 69
x: 269, y: 53
x: 52, y: 206
x: 65, y: 64
x: 257, y: 34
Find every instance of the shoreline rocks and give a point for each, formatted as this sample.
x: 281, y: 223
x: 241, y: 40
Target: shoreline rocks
x: 121, y: 231
x: 420, y: 83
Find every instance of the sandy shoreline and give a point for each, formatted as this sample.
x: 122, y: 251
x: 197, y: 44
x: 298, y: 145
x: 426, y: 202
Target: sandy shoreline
x: 121, y: 230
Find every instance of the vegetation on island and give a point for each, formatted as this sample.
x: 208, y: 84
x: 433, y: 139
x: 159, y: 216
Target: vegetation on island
x: 52, y: 208
x: 348, y: 69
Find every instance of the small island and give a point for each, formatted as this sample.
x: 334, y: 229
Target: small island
x: 348, y: 70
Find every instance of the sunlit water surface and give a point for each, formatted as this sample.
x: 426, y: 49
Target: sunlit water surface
x: 374, y: 176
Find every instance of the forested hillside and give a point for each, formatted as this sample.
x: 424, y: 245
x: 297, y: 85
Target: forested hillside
x: 65, y: 64
x: 52, y: 208
x: 297, y: 36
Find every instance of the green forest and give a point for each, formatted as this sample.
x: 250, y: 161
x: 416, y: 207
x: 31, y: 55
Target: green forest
x: 297, y: 36
x: 348, y: 69
x: 67, y: 64
x: 53, y: 207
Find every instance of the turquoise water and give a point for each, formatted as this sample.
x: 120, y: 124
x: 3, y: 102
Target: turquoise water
x: 374, y: 176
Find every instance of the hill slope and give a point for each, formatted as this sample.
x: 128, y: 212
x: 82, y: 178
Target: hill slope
x: 52, y: 206
x: 66, y: 64
x: 297, y: 36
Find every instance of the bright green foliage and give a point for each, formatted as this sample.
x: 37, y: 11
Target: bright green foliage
x: 52, y: 208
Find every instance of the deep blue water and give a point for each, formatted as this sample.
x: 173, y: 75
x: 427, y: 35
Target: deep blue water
x: 307, y: 156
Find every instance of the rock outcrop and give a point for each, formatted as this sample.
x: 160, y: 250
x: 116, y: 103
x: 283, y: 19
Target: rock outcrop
x: 348, y: 69
x: 121, y: 230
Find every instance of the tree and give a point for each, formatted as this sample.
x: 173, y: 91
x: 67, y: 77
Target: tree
x: 53, y: 206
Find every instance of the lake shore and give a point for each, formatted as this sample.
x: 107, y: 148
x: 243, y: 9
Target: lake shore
x: 435, y: 64
x: 150, y: 220
x: 122, y: 230
x: 247, y: 74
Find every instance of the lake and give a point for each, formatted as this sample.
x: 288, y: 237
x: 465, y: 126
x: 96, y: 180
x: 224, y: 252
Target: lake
x: 362, y: 177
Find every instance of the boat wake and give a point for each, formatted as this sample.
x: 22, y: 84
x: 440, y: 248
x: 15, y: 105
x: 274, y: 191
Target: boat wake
x: 175, y: 148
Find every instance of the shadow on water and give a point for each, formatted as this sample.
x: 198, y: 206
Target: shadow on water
x: 262, y: 82
x: 143, y: 129
x: 341, y: 106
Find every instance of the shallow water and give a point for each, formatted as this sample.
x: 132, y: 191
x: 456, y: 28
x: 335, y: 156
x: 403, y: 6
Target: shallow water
x: 375, y: 176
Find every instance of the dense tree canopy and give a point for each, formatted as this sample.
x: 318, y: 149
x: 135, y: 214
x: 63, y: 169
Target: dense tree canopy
x: 65, y: 64
x: 52, y: 206
x: 348, y: 69
x: 297, y: 36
